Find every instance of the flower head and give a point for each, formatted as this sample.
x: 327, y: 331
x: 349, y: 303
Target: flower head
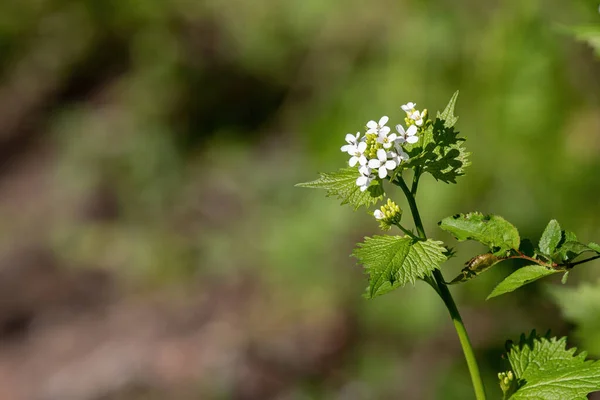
x: 352, y: 141
x: 408, y: 107
x: 382, y: 163
x: 418, y: 117
x: 387, y: 140
x: 358, y: 155
x: 365, y: 178
x: 408, y: 135
x: 379, y: 128
x: 388, y: 214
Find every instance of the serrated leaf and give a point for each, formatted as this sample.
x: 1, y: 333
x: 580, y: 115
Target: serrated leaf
x: 440, y: 151
x: 491, y: 230
x: 342, y: 184
x: 550, y: 238
x: 545, y: 369
x: 448, y: 114
x: 394, y: 261
x: 521, y: 277
x: 570, y: 250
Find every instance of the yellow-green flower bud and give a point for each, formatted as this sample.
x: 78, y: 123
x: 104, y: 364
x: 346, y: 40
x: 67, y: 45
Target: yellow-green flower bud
x: 388, y: 214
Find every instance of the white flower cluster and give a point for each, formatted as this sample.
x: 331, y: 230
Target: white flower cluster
x: 379, y: 153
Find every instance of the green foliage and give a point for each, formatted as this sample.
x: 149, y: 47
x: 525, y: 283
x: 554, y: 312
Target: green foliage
x: 476, y: 266
x: 448, y: 114
x: 342, y: 184
x: 562, y: 246
x: 394, y: 261
x: 545, y: 369
x: 521, y: 277
x: 581, y: 306
x: 491, y: 230
x: 550, y: 238
x: 440, y: 151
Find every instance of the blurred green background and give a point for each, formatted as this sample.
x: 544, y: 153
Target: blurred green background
x: 154, y: 245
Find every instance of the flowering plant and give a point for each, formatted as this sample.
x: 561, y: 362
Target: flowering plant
x: 540, y: 366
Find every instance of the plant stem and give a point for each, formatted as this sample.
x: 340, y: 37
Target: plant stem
x: 444, y: 293
x: 583, y: 261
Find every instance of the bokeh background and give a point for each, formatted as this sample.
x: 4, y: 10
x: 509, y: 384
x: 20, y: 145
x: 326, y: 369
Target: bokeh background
x: 153, y: 245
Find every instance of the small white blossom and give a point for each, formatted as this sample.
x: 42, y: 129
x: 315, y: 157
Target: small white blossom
x: 358, y: 156
x: 382, y: 164
x: 352, y: 141
x: 408, y: 107
x: 417, y: 117
x: 408, y: 135
x: 365, y: 178
x: 398, y: 156
x: 379, y: 127
x: 387, y: 140
x: 378, y: 214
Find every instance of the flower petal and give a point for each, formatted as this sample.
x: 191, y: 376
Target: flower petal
x: 378, y: 214
x: 381, y: 155
x: 384, y: 131
x: 383, y: 120
x: 372, y: 124
x: 350, y: 138
x: 382, y: 172
x: 362, y: 160
x: 353, y: 161
x: 374, y: 163
x: 361, y: 180
x: 387, y: 145
x: 390, y: 164
x: 412, y: 130
x: 400, y: 129
x: 412, y: 139
x: 362, y: 146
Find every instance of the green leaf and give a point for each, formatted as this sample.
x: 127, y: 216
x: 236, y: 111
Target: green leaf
x: 476, y: 266
x: 493, y: 231
x: 544, y: 369
x: 595, y: 247
x: 440, y: 151
x: 521, y: 277
x: 393, y: 261
x: 550, y: 238
x: 448, y: 114
x: 342, y: 184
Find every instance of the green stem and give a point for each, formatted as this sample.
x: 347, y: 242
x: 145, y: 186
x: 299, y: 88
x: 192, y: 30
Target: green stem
x: 409, y: 233
x: 444, y: 293
x: 583, y: 261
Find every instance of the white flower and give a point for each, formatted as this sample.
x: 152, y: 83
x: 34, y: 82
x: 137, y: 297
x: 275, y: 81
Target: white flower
x: 399, y: 156
x: 382, y: 163
x: 358, y: 155
x: 408, y: 107
x: 408, y: 135
x: 378, y: 214
x: 365, y: 178
x: 417, y: 117
x: 379, y: 127
x: 352, y: 141
x: 387, y: 140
